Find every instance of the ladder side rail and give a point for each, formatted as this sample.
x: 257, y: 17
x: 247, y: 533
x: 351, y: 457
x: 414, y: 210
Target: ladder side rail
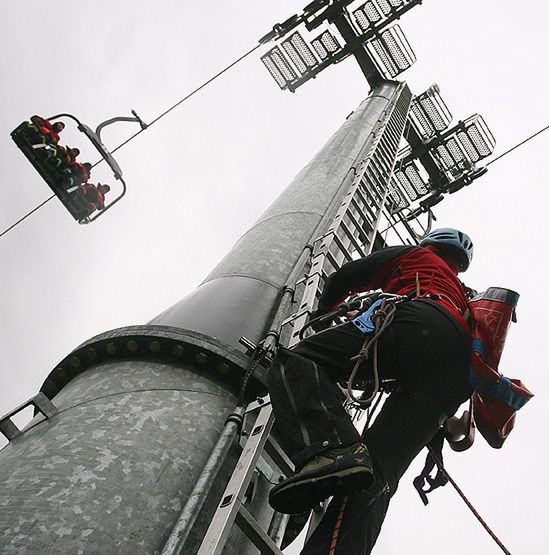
x: 371, y: 185
x: 232, y: 499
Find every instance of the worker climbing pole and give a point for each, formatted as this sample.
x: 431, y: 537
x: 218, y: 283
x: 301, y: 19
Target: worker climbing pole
x: 184, y: 447
x: 421, y: 340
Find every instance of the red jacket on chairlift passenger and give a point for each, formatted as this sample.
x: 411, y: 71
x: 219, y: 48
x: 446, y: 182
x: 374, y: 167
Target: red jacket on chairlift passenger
x: 95, y: 196
x: 78, y: 173
x: 49, y: 130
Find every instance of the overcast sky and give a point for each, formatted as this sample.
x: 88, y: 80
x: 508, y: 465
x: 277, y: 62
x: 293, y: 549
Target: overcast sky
x: 201, y: 176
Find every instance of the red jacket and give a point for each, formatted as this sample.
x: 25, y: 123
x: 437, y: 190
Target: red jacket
x: 95, y: 198
x: 46, y: 129
x: 78, y: 171
x: 398, y: 270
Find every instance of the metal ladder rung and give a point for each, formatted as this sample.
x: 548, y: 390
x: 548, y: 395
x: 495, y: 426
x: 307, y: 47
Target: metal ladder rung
x: 361, y: 212
x: 333, y: 261
x: 352, y: 238
x: 360, y: 236
x: 365, y: 208
x: 249, y: 525
x: 339, y: 243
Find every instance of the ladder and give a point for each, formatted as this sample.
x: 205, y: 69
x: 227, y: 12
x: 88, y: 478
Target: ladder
x: 353, y: 233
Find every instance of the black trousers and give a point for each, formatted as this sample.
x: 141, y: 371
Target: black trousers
x: 426, y: 352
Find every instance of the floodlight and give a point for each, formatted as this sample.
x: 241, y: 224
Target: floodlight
x: 397, y: 199
x: 471, y: 141
x: 429, y: 114
x: 375, y: 11
x: 450, y: 154
x: 411, y: 181
x: 325, y: 45
x: 299, y: 53
x: 391, y: 52
x: 476, y: 138
x: 279, y: 67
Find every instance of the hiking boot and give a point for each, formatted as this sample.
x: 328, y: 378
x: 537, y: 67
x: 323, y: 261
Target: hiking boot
x: 336, y: 471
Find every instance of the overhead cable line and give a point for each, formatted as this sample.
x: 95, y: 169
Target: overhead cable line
x: 201, y: 87
x: 518, y: 144
x: 159, y: 117
x: 166, y: 112
x: 26, y: 216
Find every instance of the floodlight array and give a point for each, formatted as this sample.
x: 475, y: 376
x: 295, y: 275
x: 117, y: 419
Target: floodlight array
x: 296, y: 61
x: 325, y: 45
x: 397, y: 199
x: 411, y: 181
x: 376, y: 11
x: 477, y: 139
x: 391, y: 52
x: 279, y: 67
x: 429, y: 114
x: 299, y: 53
x: 471, y: 142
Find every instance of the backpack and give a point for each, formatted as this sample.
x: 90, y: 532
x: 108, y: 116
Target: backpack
x: 496, y: 398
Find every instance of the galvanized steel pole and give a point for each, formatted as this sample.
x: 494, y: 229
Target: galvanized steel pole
x: 141, y: 408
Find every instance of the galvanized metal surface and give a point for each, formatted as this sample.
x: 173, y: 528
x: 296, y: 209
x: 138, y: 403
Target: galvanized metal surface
x: 241, y: 293
x: 154, y: 343
x: 195, y: 501
x: 111, y: 470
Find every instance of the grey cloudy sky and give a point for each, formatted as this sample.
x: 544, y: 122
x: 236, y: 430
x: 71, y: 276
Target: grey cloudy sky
x: 200, y: 177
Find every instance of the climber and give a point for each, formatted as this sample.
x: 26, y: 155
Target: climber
x: 426, y: 349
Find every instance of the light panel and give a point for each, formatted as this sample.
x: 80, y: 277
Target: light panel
x: 279, y: 67
x: 373, y: 12
x: 325, y: 45
x: 299, y: 53
x: 411, y: 181
x: 391, y: 52
x: 429, y: 114
x: 396, y: 197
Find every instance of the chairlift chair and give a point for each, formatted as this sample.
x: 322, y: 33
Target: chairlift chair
x: 40, y: 157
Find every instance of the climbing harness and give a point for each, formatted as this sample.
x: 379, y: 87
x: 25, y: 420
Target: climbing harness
x: 372, y: 323
x: 376, y: 311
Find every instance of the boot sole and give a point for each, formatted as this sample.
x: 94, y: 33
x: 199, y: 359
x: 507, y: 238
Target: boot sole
x: 298, y: 497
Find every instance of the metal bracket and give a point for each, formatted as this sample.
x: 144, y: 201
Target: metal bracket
x: 40, y: 402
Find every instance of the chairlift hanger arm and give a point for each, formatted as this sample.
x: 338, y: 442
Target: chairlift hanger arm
x: 104, y: 124
x: 95, y: 139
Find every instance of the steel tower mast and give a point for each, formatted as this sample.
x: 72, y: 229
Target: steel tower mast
x: 136, y: 433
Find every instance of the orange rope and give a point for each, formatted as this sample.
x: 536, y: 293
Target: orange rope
x: 337, y: 526
x: 440, y: 466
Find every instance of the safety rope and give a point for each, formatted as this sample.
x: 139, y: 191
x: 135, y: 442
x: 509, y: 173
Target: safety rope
x: 337, y: 526
x: 443, y: 471
x: 382, y: 319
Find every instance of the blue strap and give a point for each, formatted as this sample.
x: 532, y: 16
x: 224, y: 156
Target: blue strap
x: 501, y: 390
x: 364, y: 321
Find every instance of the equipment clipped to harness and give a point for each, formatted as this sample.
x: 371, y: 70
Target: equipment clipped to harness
x: 496, y: 398
x: 440, y: 479
x: 364, y: 321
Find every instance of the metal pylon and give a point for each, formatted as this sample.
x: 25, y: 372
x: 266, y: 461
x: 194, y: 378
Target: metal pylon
x: 352, y: 234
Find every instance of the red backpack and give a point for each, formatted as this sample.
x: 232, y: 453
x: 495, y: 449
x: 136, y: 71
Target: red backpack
x: 496, y: 398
